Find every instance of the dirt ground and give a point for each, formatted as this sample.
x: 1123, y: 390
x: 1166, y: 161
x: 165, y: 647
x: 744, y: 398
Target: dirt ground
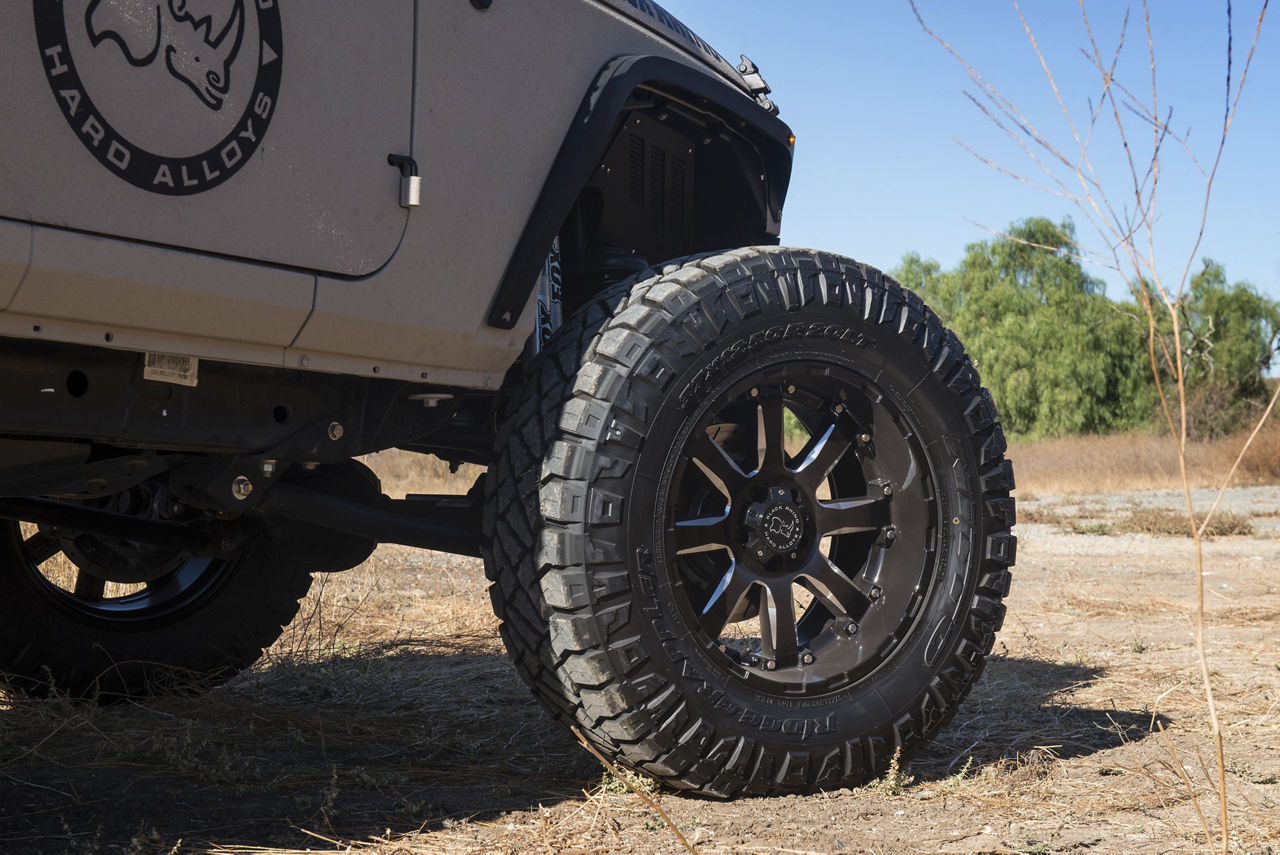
x: 387, y: 720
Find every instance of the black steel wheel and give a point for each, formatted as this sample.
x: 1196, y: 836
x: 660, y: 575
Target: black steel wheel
x: 109, y: 618
x: 751, y: 523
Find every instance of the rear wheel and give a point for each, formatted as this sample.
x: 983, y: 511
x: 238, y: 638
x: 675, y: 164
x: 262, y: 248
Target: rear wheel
x: 108, y: 618
x: 751, y: 524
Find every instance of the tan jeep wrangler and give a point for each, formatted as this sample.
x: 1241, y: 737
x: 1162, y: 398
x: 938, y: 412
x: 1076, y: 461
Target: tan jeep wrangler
x: 746, y: 512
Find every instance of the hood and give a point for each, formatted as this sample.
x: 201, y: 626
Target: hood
x: 657, y: 19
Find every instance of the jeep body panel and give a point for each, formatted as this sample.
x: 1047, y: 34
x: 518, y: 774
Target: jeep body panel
x: 287, y: 166
x: 303, y: 257
x: 15, y: 257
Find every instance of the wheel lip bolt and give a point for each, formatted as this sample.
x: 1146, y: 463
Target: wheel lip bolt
x: 241, y: 487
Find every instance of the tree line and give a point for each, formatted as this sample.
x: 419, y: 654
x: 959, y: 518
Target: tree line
x: 1061, y: 357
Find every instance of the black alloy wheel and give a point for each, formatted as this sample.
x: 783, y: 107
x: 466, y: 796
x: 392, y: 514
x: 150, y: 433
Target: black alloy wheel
x: 109, y: 618
x: 803, y: 566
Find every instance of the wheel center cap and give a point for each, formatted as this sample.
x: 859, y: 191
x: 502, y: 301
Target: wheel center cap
x: 782, y: 527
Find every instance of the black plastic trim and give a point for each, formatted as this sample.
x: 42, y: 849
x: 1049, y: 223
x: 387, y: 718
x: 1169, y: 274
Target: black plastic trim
x: 588, y: 140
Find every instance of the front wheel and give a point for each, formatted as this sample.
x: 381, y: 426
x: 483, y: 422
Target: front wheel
x: 752, y: 524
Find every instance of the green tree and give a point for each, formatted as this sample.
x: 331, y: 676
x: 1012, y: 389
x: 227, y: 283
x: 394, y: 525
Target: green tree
x: 1058, y: 355
x: 1230, y: 335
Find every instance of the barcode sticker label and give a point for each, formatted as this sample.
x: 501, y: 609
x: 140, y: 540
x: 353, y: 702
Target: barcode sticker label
x: 171, y: 368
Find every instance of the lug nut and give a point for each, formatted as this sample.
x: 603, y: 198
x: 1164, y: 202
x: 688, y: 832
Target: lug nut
x: 875, y: 593
x: 864, y: 438
x: 851, y: 628
x: 791, y: 388
x: 755, y: 393
x: 241, y: 487
x: 890, y: 533
x: 770, y: 665
x: 335, y: 431
x: 839, y: 409
x: 888, y: 489
x: 807, y: 659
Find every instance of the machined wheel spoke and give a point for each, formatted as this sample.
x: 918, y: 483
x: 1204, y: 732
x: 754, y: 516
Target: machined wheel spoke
x: 771, y: 434
x: 820, y: 456
x: 778, y: 639
x: 701, y: 535
x: 89, y: 587
x: 40, y: 548
x: 710, y: 457
x: 847, y: 516
x: 724, y: 601
x: 831, y: 586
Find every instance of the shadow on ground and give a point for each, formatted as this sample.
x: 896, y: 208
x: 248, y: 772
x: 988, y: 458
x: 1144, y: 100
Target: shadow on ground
x: 1022, y: 709
x: 397, y: 737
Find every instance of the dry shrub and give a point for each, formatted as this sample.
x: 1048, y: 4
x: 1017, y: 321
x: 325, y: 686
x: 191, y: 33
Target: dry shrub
x: 1172, y: 523
x: 404, y: 472
x: 1140, y: 461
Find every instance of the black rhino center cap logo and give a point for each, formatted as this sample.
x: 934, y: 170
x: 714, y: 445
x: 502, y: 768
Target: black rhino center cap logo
x: 174, y: 96
x: 782, y: 527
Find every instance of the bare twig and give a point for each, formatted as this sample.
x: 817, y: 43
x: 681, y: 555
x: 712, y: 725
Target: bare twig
x: 633, y: 788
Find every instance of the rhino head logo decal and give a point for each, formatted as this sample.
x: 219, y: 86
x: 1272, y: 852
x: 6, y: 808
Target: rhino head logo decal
x: 145, y: 30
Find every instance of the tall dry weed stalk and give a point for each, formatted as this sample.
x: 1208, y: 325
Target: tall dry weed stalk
x: 1127, y: 233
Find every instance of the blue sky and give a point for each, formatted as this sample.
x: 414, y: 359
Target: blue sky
x: 877, y: 107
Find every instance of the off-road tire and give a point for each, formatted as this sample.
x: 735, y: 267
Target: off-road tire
x: 192, y: 629
x: 610, y: 621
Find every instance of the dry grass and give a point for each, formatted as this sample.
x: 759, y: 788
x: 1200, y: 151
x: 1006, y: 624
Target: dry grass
x: 1136, y: 519
x: 1171, y: 523
x: 1139, y: 461
x: 403, y: 472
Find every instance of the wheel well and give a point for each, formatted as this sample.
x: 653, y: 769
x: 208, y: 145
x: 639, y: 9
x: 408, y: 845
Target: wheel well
x: 663, y: 160
x: 675, y: 180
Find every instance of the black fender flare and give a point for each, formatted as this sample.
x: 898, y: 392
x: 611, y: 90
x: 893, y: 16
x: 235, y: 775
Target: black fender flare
x: 589, y: 137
